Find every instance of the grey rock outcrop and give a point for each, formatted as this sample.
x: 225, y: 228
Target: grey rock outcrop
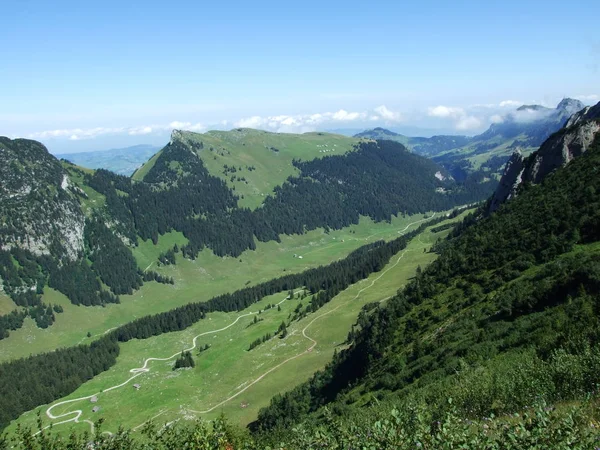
x: 557, y: 151
x: 510, y: 181
x: 38, y: 204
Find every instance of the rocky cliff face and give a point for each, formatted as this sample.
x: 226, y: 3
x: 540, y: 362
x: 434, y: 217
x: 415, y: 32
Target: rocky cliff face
x: 557, y: 151
x: 39, y: 209
x: 534, y: 121
x: 510, y: 181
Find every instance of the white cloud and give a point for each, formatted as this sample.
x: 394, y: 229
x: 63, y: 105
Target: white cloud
x: 462, y: 120
x: 189, y: 126
x: 308, y: 122
x: 75, y: 134
x: 250, y: 122
x: 446, y: 111
x: 468, y: 123
x: 345, y: 116
x: 510, y: 104
x: 139, y: 131
x: 591, y: 98
x: 530, y: 115
x: 283, y: 123
x: 496, y: 118
x: 385, y: 113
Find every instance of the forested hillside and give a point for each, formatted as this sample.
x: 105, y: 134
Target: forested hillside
x: 507, y: 317
x: 178, y: 193
x: 47, y: 240
x: 494, y: 345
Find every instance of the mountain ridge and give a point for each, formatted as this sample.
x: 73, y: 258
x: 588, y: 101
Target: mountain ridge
x: 557, y: 151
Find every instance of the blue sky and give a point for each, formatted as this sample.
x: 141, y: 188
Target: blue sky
x: 79, y: 76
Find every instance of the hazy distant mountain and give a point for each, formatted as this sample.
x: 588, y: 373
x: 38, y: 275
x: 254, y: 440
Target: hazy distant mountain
x: 562, y: 147
x: 123, y: 161
x: 425, y: 146
x: 532, y: 124
x: 526, y: 128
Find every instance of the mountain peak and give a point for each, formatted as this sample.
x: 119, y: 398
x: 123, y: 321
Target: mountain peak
x: 385, y: 131
x: 570, y: 105
x: 176, y: 135
x: 378, y: 133
x: 531, y: 108
x: 557, y: 151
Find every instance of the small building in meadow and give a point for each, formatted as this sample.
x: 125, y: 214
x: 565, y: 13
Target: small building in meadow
x: 95, y: 409
x: 94, y: 399
x: 137, y: 386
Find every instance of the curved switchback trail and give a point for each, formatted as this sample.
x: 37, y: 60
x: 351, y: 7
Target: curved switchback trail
x: 308, y: 350
x: 313, y: 341
x: 137, y: 371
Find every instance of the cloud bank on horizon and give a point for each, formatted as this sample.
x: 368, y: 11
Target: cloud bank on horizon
x: 462, y: 119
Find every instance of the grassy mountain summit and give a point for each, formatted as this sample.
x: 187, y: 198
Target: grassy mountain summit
x: 254, y: 162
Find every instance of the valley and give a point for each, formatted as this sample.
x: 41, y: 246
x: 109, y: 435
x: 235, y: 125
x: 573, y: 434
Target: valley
x: 197, y: 280
x: 228, y: 378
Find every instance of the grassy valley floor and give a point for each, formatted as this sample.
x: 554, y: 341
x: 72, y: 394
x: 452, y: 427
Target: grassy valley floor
x: 227, y: 377
x: 199, y: 280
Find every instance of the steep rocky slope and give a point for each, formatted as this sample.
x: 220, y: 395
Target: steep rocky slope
x: 557, y: 151
x: 38, y: 203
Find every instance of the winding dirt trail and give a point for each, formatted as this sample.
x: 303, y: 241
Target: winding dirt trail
x: 137, y: 371
x: 308, y: 350
x: 313, y: 341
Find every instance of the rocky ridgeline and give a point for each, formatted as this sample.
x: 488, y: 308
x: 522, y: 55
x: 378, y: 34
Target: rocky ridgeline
x: 38, y: 203
x: 557, y: 151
